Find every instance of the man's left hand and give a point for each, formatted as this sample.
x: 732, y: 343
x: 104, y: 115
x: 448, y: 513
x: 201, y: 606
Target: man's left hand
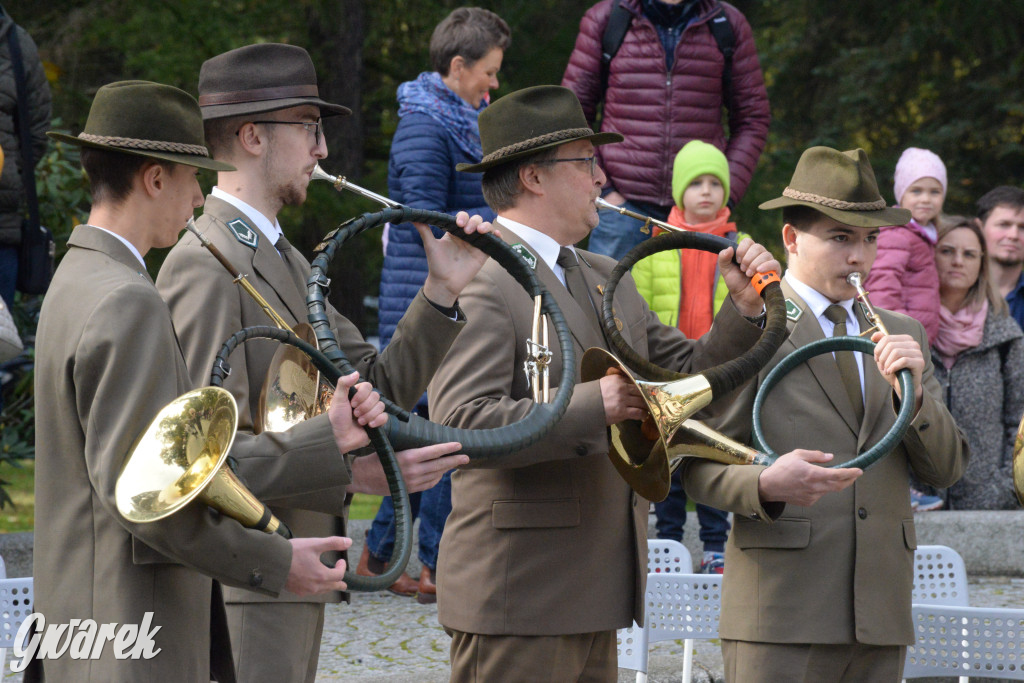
x: 753, y: 259
x: 893, y: 353
x: 452, y: 261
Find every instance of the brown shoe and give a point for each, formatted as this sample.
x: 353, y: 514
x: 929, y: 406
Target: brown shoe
x: 406, y: 586
x: 427, y: 589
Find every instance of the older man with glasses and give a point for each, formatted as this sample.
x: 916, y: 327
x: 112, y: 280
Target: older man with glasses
x: 543, y: 555
x: 262, y: 109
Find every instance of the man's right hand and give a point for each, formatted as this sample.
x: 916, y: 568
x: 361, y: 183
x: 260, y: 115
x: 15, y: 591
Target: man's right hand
x: 308, y: 575
x: 421, y: 468
x: 795, y: 478
x: 622, y: 400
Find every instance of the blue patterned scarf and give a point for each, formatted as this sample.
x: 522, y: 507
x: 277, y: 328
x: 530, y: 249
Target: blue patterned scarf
x: 429, y: 95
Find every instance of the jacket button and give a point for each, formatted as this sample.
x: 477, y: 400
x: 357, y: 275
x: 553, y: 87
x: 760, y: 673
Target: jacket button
x: 756, y: 517
x: 581, y: 450
x: 862, y: 513
x: 255, y: 578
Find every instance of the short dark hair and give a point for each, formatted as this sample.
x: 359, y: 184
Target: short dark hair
x: 800, y: 216
x: 470, y: 33
x: 501, y: 184
x: 111, y: 173
x: 220, y: 134
x: 1004, y: 195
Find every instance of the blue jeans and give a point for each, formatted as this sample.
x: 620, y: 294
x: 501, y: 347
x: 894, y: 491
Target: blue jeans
x: 671, y: 514
x: 431, y: 506
x: 8, y: 274
x: 616, y: 234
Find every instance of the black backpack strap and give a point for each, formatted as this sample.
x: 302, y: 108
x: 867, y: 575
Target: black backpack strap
x: 721, y: 29
x: 21, y: 123
x: 614, y: 33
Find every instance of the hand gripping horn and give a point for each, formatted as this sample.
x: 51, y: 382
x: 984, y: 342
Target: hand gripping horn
x: 410, y: 431
x: 641, y: 452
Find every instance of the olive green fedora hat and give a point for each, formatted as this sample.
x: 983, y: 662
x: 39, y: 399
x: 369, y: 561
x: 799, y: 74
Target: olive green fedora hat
x: 147, y: 120
x: 259, y: 78
x: 529, y: 120
x: 840, y: 185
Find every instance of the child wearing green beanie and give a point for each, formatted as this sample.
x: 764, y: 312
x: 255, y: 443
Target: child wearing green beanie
x: 684, y: 289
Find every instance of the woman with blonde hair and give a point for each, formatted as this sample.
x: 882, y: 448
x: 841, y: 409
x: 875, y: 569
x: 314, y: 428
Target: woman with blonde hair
x: 979, y: 361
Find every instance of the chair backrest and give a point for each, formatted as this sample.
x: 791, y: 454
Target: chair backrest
x: 954, y: 640
x: 15, y: 605
x: 683, y: 606
x: 665, y: 556
x: 940, y: 577
x: 631, y: 645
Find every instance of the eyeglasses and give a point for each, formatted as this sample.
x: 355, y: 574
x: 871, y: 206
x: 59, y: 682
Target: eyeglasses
x: 314, y: 127
x: 590, y: 160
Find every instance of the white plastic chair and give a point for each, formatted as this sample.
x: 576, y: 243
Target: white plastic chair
x: 966, y: 641
x: 940, y: 576
x: 16, y: 602
x: 663, y: 557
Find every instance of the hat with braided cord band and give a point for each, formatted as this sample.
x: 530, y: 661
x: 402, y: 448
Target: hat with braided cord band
x: 149, y: 120
x: 840, y: 185
x: 530, y: 120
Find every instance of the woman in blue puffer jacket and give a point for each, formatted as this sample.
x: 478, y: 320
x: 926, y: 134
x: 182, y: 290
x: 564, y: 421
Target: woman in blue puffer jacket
x: 437, y: 129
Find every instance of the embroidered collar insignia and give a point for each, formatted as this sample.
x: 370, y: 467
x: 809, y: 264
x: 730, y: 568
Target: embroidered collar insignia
x: 521, y: 249
x: 793, y: 312
x: 243, y: 233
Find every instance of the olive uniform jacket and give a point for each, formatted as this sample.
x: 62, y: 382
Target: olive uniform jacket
x: 208, y: 307
x: 841, y: 570
x: 106, y: 362
x: 549, y: 540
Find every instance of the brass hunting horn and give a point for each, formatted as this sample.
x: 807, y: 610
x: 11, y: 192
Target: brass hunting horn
x: 181, y: 457
x: 642, y: 451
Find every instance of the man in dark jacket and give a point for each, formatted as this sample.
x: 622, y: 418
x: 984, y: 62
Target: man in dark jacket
x: 666, y: 87
x: 11, y: 188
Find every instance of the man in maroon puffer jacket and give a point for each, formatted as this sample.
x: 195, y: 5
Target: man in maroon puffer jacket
x: 665, y: 88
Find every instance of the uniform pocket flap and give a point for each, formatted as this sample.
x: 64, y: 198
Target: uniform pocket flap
x: 783, y: 533
x: 536, y: 514
x: 910, y: 534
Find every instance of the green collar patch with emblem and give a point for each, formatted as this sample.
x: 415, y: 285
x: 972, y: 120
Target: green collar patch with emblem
x: 521, y: 249
x: 793, y: 312
x: 243, y: 233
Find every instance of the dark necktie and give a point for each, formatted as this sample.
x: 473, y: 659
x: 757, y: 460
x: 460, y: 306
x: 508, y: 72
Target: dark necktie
x: 847, y: 363
x: 575, y: 283
x: 285, y: 248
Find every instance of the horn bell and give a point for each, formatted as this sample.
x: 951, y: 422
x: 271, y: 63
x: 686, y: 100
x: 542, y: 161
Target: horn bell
x: 1018, y: 463
x: 181, y: 457
x: 292, y: 391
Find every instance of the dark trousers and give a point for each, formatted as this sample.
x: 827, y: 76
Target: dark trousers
x: 671, y: 514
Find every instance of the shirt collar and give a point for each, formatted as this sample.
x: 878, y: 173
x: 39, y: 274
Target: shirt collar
x: 123, y: 241
x: 270, y: 230
x: 818, y: 302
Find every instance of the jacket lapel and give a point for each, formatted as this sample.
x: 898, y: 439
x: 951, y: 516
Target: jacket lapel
x: 823, y: 367
x: 266, y: 261
x: 580, y: 324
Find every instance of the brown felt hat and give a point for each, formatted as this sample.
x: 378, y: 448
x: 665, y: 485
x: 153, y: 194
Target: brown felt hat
x: 259, y: 78
x: 840, y: 185
x: 529, y: 120
x: 149, y: 120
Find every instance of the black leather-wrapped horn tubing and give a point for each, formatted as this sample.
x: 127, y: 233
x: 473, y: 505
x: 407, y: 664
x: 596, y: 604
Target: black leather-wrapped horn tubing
x: 722, y: 378
x: 411, y: 431
x: 385, y: 452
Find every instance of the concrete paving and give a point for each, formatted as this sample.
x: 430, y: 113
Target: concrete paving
x: 383, y: 638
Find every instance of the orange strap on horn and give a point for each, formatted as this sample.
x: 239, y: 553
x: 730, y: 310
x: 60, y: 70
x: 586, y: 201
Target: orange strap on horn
x: 762, y: 280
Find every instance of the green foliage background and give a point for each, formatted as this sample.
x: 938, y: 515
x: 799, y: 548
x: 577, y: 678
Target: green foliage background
x: 941, y: 74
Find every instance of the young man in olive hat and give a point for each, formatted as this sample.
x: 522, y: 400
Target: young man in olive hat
x: 544, y: 554
x: 107, y: 361
x: 262, y: 114
x: 823, y: 593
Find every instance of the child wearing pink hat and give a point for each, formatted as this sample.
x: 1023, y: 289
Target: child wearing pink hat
x: 904, y: 277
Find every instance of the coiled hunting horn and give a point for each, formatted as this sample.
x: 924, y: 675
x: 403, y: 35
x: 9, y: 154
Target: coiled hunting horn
x: 411, y: 431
